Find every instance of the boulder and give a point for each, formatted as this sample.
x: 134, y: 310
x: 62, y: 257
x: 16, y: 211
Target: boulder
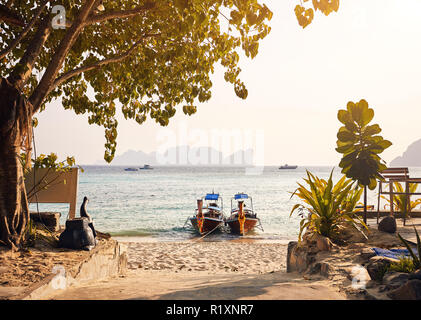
x: 298, y: 257
x: 377, y: 267
x: 394, y: 280
x: 415, y: 275
x: 367, y: 253
x: 411, y: 290
x: 387, y: 224
x: 323, y: 243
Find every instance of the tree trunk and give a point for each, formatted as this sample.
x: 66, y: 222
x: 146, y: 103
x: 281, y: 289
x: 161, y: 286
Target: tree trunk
x: 15, y: 135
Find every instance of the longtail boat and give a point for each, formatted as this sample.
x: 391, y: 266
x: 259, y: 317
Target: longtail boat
x: 243, y: 219
x: 209, y: 214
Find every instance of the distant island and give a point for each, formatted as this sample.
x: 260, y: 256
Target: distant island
x: 183, y: 155
x: 410, y: 158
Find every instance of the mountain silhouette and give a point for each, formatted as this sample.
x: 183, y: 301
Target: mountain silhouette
x: 410, y: 158
x: 183, y: 155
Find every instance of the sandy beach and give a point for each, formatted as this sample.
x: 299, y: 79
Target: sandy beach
x: 221, y: 257
x: 202, y: 270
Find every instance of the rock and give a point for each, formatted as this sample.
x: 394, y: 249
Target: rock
x: 298, y: 257
x: 291, y: 246
x: 377, y: 267
x: 411, y: 290
x: 415, y: 275
x: 325, y: 269
x: 367, y: 253
x: 387, y: 224
x: 394, y: 280
x: 323, y: 243
x: 350, y: 235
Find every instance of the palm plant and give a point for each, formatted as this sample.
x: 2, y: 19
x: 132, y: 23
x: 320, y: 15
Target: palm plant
x: 415, y: 258
x: 329, y: 206
x: 400, y: 201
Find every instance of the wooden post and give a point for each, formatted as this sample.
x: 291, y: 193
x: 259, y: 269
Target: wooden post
x: 408, y: 202
x: 378, y: 201
x: 391, y: 197
x: 199, y: 207
x: 365, y: 204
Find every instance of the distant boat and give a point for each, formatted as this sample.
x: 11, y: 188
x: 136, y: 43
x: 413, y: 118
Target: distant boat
x: 130, y: 169
x: 146, y: 167
x: 288, y: 167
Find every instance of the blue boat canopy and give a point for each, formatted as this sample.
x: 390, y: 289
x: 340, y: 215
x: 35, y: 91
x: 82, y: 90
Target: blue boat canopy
x: 212, y: 196
x: 241, y: 196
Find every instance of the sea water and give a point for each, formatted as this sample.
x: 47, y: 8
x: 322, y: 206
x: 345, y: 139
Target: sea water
x: 156, y: 203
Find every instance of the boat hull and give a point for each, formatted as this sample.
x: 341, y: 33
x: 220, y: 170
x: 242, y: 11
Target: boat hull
x: 234, y: 225
x: 209, y: 224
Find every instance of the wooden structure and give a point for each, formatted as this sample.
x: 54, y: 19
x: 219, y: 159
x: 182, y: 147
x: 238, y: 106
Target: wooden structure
x: 390, y: 176
x: 45, y: 185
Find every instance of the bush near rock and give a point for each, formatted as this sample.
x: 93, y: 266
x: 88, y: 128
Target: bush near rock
x: 387, y: 224
x: 377, y: 267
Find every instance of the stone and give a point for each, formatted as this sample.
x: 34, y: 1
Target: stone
x: 367, y: 253
x: 325, y: 269
x: 377, y: 267
x: 387, y: 224
x: 411, y: 290
x: 323, y: 243
x: 298, y: 257
x: 291, y: 246
x: 394, y: 280
x: 415, y: 275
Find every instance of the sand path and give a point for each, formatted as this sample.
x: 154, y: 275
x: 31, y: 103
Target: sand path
x: 193, y: 271
x: 154, y: 285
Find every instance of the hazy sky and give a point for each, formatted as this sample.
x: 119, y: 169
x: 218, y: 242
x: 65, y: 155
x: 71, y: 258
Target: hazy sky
x: 370, y: 49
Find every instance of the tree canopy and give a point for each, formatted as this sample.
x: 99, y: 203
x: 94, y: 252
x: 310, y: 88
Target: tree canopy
x: 148, y: 55
x: 305, y: 11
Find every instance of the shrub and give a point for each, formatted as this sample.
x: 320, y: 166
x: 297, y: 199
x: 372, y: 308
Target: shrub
x: 329, y: 206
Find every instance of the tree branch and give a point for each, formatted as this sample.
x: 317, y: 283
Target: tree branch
x: 9, y: 16
x: 23, y: 70
x: 57, y: 60
x: 66, y: 76
x: 120, y: 14
x: 24, y: 32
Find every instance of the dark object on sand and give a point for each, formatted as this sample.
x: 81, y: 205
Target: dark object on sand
x: 79, y: 233
x: 387, y: 224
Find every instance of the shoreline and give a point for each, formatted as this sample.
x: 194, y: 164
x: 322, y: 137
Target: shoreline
x: 151, y: 239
